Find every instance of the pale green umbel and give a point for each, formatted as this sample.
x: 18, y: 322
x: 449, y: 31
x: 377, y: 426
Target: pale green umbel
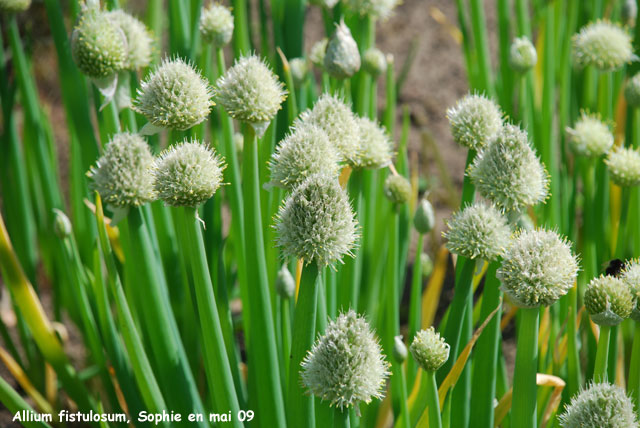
x: 600, y: 405
x: 537, y: 268
x: 608, y: 300
x: 624, y: 166
x: 139, y: 41
x: 429, y: 349
x: 590, y: 136
x: 342, y: 59
x: 346, y: 365
x: 605, y: 45
x: 216, y: 24
x: 522, y: 55
x: 397, y: 189
x: 631, y: 276
x: 475, y: 121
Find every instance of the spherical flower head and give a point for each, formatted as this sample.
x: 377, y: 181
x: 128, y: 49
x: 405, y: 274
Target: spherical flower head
x: 624, y: 166
x: 342, y: 59
x: 475, y: 121
x: 508, y: 172
x: 317, y: 52
x: 629, y: 12
x: 299, y: 69
x: 216, y: 25
x: 600, y: 405
x: 631, y: 277
x: 285, y: 284
x: 374, y: 8
x: 14, y: 6
x: 375, y: 149
x: 478, y: 231
x: 316, y: 222
x: 522, y: 55
x: 122, y: 176
x: 139, y: 46
x: 187, y: 174
x: 374, y: 62
x: 537, y: 268
x: 98, y: 46
x: 632, y: 90
x: 429, y: 349
x: 608, y: 300
x: 397, y: 189
x: 604, y: 45
x: 590, y: 136
x: 174, y: 96
x: 335, y: 118
x: 304, y: 152
x: 346, y: 364
x: 250, y: 92
x: 424, y: 218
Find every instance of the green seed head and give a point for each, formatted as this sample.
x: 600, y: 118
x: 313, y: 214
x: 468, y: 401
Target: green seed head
x: 61, y: 224
x: 375, y: 149
x: 216, y: 24
x: 604, y: 45
x: 122, y: 176
x: 139, y: 46
x: 522, y: 55
x: 399, y: 349
x: 608, y: 300
x: 304, y: 152
x: 537, y: 268
x: 374, y: 8
x: 590, y: 136
x: 316, y: 222
x: 397, y: 189
x: 317, y: 52
x: 299, y: 70
x: 475, y: 121
x: 342, y: 59
x: 508, y: 172
x: 187, y: 174
x: 14, y: 6
x: 624, y: 166
x: 632, y: 90
x: 424, y: 218
x: 478, y: 231
x: 175, y: 96
x: 600, y: 405
x: 336, y: 119
x: 98, y: 45
x: 631, y: 277
x: 250, y: 92
x: 285, y: 284
x: 429, y: 349
x: 374, y: 62
x: 346, y: 364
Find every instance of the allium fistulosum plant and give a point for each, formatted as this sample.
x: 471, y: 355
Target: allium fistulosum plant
x: 234, y: 246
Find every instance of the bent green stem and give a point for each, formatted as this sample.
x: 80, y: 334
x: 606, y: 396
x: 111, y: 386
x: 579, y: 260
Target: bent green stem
x: 433, y: 402
x: 524, y: 377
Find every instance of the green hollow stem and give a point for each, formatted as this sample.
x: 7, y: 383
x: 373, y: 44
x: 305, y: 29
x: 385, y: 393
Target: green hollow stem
x: 589, y: 229
x: 392, y: 315
x: 171, y: 360
x: 573, y: 364
x: 262, y: 343
x: 15, y: 403
x: 486, y: 352
x: 634, y: 368
x: 602, y: 354
x: 453, y: 329
x: 523, y: 408
x: 433, y: 402
x: 341, y: 418
x: 415, y: 306
x: 300, y: 405
x: 350, y: 272
x: 621, y: 241
x: 215, y: 357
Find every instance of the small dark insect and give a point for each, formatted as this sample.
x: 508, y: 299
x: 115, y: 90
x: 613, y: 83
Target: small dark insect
x: 614, y: 268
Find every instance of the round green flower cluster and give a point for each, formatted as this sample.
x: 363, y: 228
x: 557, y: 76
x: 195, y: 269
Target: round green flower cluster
x: 590, y: 136
x: 604, y: 45
x: 608, y: 300
x: 429, y: 349
x: 216, y: 25
x: 600, y: 405
x: 475, y: 121
x: 624, y: 166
